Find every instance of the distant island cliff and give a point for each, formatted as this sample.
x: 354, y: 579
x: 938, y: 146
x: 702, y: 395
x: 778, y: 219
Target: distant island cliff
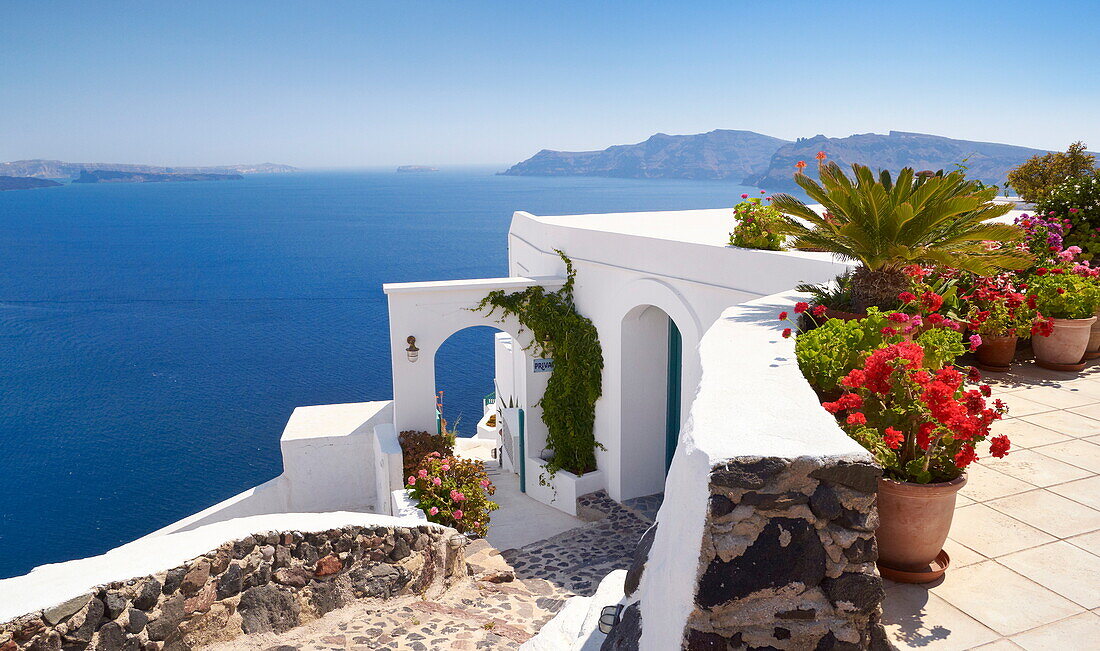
x: 24, y: 183
x: 56, y: 169
x: 417, y: 168
x: 756, y: 159
x: 107, y: 176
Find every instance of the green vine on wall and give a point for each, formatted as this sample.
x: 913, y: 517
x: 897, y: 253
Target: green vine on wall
x: 571, y: 340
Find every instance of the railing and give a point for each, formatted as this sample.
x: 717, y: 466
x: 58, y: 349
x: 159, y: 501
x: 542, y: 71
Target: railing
x: 489, y: 400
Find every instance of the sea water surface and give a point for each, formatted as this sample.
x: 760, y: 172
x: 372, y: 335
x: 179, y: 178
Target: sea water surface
x: 154, y: 338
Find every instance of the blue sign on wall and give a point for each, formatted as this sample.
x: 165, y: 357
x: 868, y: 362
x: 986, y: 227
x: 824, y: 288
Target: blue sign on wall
x: 544, y: 365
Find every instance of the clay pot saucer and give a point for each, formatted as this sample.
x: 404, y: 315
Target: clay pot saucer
x: 1069, y: 368
x: 930, y: 573
x: 993, y: 369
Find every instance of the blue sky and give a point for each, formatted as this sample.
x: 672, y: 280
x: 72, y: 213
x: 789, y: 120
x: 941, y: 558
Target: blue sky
x: 344, y: 84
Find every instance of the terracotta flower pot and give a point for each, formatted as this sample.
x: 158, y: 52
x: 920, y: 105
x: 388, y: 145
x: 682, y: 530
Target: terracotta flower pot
x: 830, y: 313
x: 1093, y: 349
x: 914, y: 520
x: 1065, y: 347
x: 996, y: 352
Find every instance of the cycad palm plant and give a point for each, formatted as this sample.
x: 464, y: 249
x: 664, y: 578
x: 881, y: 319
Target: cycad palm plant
x: 887, y: 224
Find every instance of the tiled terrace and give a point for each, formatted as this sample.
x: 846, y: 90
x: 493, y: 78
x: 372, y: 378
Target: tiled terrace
x: 1025, y: 542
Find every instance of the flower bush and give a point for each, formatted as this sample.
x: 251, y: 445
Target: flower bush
x: 922, y: 425
x: 1066, y: 291
x: 755, y: 224
x: 417, y: 445
x: 1077, y: 202
x: 996, y: 309
x: 898, y: 391
x: 454, y: 492
x: 1044, y: 238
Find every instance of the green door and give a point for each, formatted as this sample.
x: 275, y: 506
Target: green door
x: 672, y: 410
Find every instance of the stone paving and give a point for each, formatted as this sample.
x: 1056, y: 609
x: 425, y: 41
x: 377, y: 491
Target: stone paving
x: 1025, y: 541
x: 483, y: 614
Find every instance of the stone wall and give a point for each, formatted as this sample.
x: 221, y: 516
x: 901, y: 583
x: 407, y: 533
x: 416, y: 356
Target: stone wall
x: 787, y: 560
x: 265, y: 582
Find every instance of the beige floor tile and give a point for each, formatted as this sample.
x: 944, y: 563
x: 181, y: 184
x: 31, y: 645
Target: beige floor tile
x: 1089, y: 542
x: 962, y: 500
x: 1019, y: 406
x: 1025, y: 434
x: 1091, y: 411
x: 1079, y: 452
x: 992, y: 533
x: 1002, y: 599
x: 1054, y: 514
x: 1079, y: 633
x: 1035, y: 468
x: 1068, y: 422
x: 960, y: 554
x: 1070, y: 571
x: 917, y: 619
x: 1059, y: 397
x: 1086, y: 491
x: 983, y: 483
x: 1004, y: 644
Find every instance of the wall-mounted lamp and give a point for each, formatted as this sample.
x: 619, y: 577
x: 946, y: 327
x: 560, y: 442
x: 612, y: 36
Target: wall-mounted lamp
x: 412, y: 352
x: 609, y: 616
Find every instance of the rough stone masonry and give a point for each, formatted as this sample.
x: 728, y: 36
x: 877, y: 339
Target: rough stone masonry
x: 787, y: 560
x: 267, y: 582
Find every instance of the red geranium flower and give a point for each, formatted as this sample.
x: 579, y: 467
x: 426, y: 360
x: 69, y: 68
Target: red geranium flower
x: 786, y: 333
x: 893, y: 438
x: 819, y: 310
x: 856, y: 418
x: 782, y: 316
x: 801, y: 307
x: 998, y: 446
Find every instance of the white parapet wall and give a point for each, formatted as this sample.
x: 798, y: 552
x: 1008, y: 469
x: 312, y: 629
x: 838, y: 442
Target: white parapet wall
x: 329, y: 464
x: 48, y: 585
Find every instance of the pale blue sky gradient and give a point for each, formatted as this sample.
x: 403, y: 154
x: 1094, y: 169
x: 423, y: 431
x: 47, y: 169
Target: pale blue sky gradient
x: 340, y: 84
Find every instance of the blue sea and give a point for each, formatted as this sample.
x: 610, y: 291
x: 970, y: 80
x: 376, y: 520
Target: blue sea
x: 154, y: 338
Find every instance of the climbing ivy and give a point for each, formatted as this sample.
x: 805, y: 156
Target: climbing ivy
x: 561, y: 333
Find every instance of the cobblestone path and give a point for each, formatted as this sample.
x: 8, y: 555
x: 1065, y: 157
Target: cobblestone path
x: 480, y: 613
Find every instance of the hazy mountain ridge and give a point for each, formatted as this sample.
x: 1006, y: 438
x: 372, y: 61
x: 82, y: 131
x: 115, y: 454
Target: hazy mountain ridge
x: 56, y: 169
x: 24, y: 183
x: 719, y: 154
x: 744, y: 157
x: 111, y: 176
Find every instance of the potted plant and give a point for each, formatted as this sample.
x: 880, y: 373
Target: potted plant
x: 998, y: 315
x: 453, y: 492
x: 1071, y: 300
x: 922, y: 426
x: 755, y: 224
x: 886, y: 225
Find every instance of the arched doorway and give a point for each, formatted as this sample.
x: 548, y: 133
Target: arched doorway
x: 464, y: 373
x: 652, y: 377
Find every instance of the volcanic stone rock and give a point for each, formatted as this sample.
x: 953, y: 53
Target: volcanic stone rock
x: 170, y: 615
x: 243, y: 547
x: 828, y: 642
x: 328, y: 565
x: 824, y: 502
x: 380, y: 581
x: 751, y: 473
x: 771, y: 501
x: 83, y: 624
x: 626, y: 634
x: 701, y: 641
x: 800, y: 613
x: 864, y: 591
x: 268, y: 609
x: 401, y: 550
x: 195, y: 578
x: 147, y: 594
x: 323, y: 597
x: 294, y: 577
x: 136, y: 620
x: 110, y: 637
x: 230, y: 583
x: 862, y: 477
x: 720, y: 505
x: 114, y: 603
x: 69, y: 608
x: 46, y: 641
x: 863, y: 550
x: 173, y: 579
x: 787, y: 551
x: 637, y: 564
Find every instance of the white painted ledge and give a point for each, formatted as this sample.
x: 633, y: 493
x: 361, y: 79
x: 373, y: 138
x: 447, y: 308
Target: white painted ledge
x: 479, y: 284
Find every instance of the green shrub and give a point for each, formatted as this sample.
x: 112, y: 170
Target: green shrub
x: 1035, y: 179
x: 1061, y: 294
x: 829, y: 351
x: 417, y: 445
x: 453, y: 492
x: 755, y: 225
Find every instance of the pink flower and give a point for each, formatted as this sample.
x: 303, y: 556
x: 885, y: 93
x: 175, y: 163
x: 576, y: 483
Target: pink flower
x: 457, y: 514
x: 975, y: 341
x: 434, y: 510
x: 437, y: 481
x: 445, y: 466
x: 412, y: 480
x: 422, y: 473
x: 485, y: 483
x: 745, y: 196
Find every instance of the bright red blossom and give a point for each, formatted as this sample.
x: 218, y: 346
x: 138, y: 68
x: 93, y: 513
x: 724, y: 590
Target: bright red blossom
x: 857, y: 418
x: 998, y: 446
x: 894, y: 438
x: 801, y: 307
